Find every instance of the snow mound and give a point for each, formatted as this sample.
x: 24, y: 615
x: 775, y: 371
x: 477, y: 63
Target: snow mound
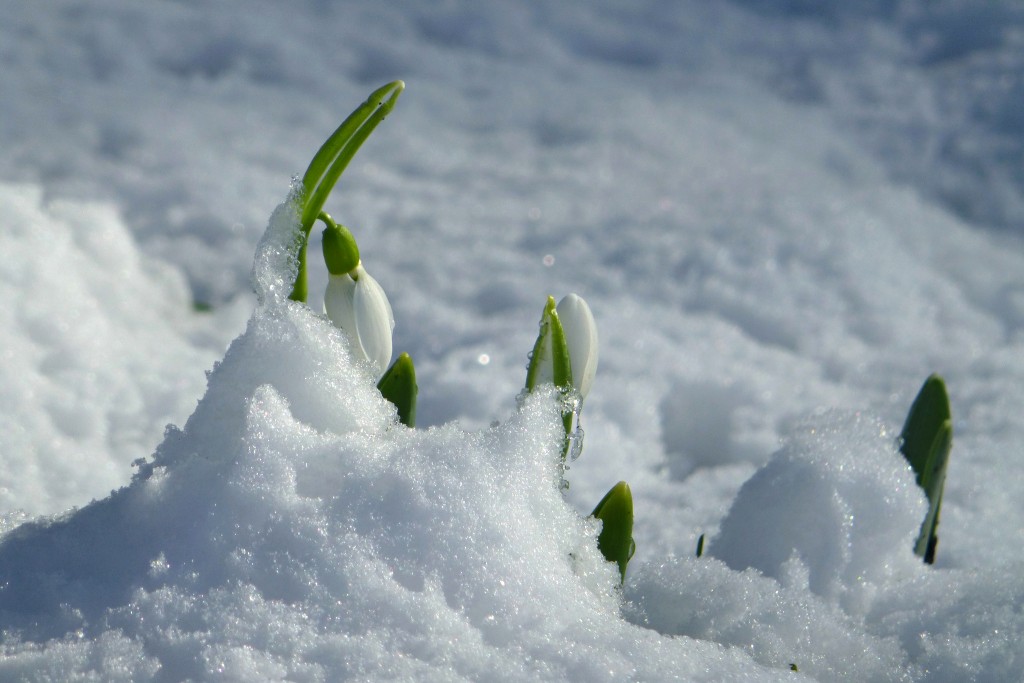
x: 813, y: 566
x: 294, y: 530
x: 838, y: 505
x: 82, y: 394
x: 809, y: 543
x: 778, y: 624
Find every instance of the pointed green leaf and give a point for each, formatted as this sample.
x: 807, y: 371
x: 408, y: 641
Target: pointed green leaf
x: 616, y: 514
x: 550, y: 347
x: 335, y: 154
x: 926, y: 441
x: 560, y: 365
x: 549, y: 360
x: 541, y: 347
x: 398, y: 385
x: 927, y: 414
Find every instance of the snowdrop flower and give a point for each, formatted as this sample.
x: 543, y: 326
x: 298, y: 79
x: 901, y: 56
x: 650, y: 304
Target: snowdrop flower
x: 566, y: 349
x: 354, y: 301
x: 357, y: 304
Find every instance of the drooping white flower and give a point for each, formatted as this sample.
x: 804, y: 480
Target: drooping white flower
x: 357, y: 304
x: 580, y: 332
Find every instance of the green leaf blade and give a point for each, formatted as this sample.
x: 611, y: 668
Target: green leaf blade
x: 924, y: 421
x: 398, y: 385
x: 616, y: 538
x: 335, y: 154
x: 933, y: 484
x: 926, y: 441
x: 541, y: 348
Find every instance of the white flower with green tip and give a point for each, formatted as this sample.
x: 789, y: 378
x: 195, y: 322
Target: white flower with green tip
x: 354, y: 300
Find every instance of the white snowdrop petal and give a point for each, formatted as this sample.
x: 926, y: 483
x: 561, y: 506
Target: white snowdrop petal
x: 581, y: 337
x: 372, y: 282
x: 374, y: 321
x: 338, y: 302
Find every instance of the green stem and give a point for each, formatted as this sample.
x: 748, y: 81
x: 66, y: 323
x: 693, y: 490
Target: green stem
x: 300, y: 290
x: 326, y: 219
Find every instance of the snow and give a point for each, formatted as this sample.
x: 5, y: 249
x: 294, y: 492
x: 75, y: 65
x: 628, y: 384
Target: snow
x: 80, y: 388
x: 783, y: 219
x: 844, y: 520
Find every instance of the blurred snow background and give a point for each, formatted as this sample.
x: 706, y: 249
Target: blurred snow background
x: 774, y: 210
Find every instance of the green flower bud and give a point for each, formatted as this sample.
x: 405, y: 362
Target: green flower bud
x: 341, y: 253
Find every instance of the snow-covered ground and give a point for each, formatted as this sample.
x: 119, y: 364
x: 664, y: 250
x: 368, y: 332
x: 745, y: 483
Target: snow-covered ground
x: 784, y: 217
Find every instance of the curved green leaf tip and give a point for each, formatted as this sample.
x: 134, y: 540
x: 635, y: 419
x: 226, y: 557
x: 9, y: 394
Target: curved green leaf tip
x: 330, y: 162
x: 926, y: 441
x: 616, y: 514
x: 337, y: 151
x: 398, y: 385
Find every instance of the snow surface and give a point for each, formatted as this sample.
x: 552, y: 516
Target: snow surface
x: 783, y: 217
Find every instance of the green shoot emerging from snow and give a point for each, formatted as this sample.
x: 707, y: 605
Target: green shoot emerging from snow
x: 354, y: 301
x: 616, y: 514
x: 549, y: 360
x: 565, y: 355
x: 398, y: 385
x: 926, y: 441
